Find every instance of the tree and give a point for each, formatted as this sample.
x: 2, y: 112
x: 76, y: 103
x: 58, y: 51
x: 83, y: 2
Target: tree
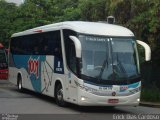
x: 94, y: 10
x: 8, y: 13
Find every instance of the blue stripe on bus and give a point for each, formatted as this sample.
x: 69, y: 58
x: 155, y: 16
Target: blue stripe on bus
x: 124, y: 88
x: 32, y: 65
x: 134, y: 85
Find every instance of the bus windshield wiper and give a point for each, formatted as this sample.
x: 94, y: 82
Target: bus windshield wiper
x: 133, y: 76
x: 102, y: 69
x: 105, y: 62
x: 121, y: 66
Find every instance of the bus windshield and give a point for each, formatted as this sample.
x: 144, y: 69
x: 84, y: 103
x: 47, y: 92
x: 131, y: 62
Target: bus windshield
x: 107, y: 58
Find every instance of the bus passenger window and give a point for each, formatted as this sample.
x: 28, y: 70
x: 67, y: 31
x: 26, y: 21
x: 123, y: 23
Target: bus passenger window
x: 46, y: 50
x: 56, y: 52
x: 36, y: 52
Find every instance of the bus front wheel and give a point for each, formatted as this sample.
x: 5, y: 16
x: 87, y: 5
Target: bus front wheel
x: 59, y: 96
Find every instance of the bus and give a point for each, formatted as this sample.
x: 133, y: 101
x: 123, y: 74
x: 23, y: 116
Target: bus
x: 84, y: 63
x: 3, y: 63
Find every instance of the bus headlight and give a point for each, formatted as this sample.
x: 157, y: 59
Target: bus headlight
x: 138, y: 100
x: 83, y: 98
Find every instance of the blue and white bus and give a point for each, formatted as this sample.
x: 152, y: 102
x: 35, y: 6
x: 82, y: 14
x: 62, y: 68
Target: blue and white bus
x: 85, y: 63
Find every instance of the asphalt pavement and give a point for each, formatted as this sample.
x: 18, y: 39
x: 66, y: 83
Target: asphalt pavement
x: 28, y: 105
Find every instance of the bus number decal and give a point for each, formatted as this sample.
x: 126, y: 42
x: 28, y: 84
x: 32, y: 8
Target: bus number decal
x: 33, y: 67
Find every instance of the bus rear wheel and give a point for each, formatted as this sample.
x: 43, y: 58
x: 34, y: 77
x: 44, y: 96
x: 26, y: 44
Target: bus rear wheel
x: 59, y: 96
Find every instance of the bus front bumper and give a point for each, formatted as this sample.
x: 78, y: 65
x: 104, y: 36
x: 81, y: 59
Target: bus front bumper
x: 89, y: 99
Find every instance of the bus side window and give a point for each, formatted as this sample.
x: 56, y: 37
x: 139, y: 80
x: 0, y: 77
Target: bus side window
x: 70, y: 50
x: 57, y: 52
x: 56, y: 44
x: 36, y: 51
x: 45, y: 50
x: 72, y: 57
x: 48, y: 43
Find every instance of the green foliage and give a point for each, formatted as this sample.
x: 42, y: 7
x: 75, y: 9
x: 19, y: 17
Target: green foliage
x: 150, y: 95
x: 34, y: 13
x: 94, y: 10
x: 7, y: 16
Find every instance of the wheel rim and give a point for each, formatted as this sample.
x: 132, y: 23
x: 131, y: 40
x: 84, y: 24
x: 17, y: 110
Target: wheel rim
x: 20, y: 85
x: 60, y: 95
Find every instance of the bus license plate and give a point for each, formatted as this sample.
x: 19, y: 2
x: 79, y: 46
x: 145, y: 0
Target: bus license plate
x: 113, y: 100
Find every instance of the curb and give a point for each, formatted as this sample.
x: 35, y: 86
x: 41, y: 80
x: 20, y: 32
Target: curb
x: 150, y: 104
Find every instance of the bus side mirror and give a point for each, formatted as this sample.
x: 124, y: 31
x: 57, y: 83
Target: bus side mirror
x: 147, y: 50
x: 77, y: 44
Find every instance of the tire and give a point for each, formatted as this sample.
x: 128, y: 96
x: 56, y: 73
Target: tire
x: 19, y: 83
x: 59, y: 96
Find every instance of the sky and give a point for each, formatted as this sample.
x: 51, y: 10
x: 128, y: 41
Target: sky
x: 15, y: 1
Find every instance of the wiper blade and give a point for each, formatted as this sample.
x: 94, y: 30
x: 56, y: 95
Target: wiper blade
x: 102, y: 69
x: 133, y: 76
x: 119, y: 64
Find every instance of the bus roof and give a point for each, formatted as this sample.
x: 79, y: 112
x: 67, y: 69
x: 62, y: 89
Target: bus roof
x: 95, y: 28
